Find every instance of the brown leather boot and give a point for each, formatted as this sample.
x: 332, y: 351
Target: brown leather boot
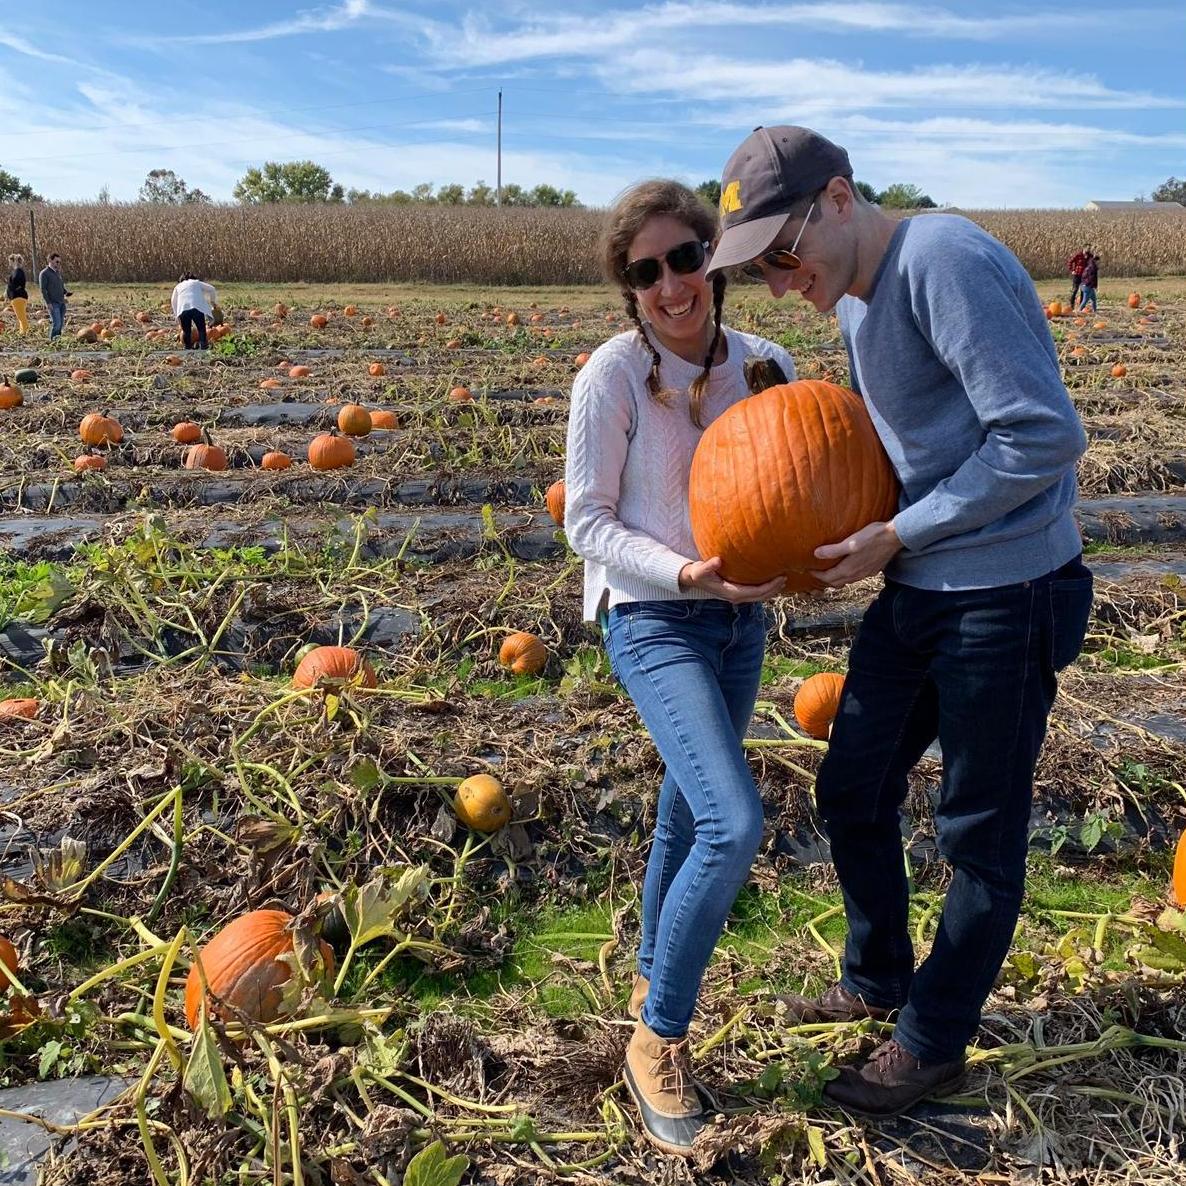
x: 638, y: 995
x: 837, y: 1004
x: 659, y: 1078
x: 891, y: 1081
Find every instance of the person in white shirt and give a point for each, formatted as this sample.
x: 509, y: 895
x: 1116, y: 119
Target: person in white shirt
x: 193, y: 302
x: 687, y: 645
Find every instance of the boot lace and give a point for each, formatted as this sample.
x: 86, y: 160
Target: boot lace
x: 888, y: 1055
x: 671, y: 1068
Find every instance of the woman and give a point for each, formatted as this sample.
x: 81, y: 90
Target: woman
x: 15, y: 293
x: 687, y: 645
x: 192, y: 302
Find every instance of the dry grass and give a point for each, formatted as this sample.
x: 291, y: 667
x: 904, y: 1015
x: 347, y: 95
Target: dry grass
x: 443, y: 244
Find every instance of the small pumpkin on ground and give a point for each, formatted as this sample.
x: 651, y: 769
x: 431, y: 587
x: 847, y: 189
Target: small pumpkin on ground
x: 98, y: 429
x: 298, y: 372
x: 11, y: 395
x: 81, y: 375
x: 27, y: 376
x: 89, y: 462
x: 523, y: 653
x: 384, y: 418
x: 816, y: 703
x: 275, y: 459
x: 248, y: 967
x: 206, y: 455
x: 376, y: 370
x: 1134, y: 300
x: 354, y: 420
x: 555, y: 500
x: 319, y: 321
x: 482, y: 804
x: 186, y: 432
x: 1119, y: 371
x: 334, y: 665
x: 330, y: 451
x: 461, y: 395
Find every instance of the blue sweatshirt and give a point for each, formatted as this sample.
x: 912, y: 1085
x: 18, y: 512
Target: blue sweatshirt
x: 953, y: 356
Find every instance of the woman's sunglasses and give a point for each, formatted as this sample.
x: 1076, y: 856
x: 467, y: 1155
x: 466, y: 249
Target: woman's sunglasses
x: 683, y: 260
x: 782, y: 258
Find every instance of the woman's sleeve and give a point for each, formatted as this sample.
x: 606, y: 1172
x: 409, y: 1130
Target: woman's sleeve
x: 600, y: 425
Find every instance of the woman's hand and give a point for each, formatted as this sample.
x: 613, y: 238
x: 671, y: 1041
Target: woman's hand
x: 706, y: 575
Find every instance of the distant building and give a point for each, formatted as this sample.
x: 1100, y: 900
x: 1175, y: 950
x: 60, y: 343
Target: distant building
x: 1147, y: 207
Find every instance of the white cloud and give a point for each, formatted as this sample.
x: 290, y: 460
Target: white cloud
x: 455, y: 125
x: 20, y: 45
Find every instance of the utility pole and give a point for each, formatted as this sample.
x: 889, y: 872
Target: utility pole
x: 498, y: 179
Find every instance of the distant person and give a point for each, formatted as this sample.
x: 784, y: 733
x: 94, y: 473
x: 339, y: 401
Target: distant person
x: 16, y: 294
x: 193, y: 301
x: 54, y: 293
x: 1090, y: 281
x: 1076, y: 264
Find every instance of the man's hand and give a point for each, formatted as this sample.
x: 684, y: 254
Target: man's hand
x: 706, y: 575
x: 861, y: 555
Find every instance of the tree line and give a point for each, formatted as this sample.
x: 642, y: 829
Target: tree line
x: 307, y: 181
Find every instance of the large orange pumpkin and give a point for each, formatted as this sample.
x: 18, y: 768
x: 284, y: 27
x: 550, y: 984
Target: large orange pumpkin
x: 243, y: 969
x: 782, y: 473
x: 482, y: 804
x: 329, y: 451
x: 1180, y: 871
x: 97, y: 429
x: 555, y: 500
x: 354, y: 420
x: 817, y: 702
x: 335, y: 664
x: 523, y: 653
x: 17, y: 706
x: 206, y: 456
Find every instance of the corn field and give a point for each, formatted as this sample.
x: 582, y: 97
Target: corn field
x: 443, y: 244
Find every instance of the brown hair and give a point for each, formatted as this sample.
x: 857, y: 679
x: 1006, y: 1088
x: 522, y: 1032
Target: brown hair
x: 633, y: 209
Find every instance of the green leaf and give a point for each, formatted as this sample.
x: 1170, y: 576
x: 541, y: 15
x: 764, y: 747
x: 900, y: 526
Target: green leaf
x: 371, y: 910
x: 365, y: 775
x: 204, y: 1077
x: 816, y: 1145
x: 50, y: 1054
x: 430, y: 1167
x: 332, y: 703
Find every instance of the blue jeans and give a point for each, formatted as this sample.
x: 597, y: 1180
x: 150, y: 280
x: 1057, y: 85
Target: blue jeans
x: 1087, y: 293
x: 692, y: 669
x: 977, y: 669
x: 57, y: 317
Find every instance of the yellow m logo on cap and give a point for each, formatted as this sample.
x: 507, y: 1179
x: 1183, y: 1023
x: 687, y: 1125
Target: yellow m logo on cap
x: 731, y: 198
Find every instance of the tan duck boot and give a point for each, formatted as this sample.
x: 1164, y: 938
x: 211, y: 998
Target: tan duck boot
x: 659, y: 1078
x: 638, y: 996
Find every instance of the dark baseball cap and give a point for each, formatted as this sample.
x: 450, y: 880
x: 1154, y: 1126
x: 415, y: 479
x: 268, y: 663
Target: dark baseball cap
x: 772, y: 169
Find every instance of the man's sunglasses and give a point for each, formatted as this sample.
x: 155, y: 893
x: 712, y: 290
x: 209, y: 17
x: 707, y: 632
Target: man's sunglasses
x: 683, y: 260
x: 782, y: 258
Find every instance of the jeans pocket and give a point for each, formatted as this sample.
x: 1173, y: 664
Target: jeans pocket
x: 1070, y: 612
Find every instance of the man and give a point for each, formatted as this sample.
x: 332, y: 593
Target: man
x: 54, y: 292
x: 985, y: 595
x: 1076, y: 264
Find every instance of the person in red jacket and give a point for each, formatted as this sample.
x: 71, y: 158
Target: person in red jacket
x: 1075, y: 265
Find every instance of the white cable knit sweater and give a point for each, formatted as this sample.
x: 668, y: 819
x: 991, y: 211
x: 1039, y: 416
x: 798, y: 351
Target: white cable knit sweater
x: 626, y: 474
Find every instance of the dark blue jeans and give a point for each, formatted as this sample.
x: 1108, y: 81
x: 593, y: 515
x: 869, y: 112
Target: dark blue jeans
x: 976, y: 669
x: 692, y: 669
x: 57, y: 317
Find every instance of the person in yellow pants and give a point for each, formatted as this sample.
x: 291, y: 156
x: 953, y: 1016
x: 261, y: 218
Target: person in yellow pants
x: 15, y: 292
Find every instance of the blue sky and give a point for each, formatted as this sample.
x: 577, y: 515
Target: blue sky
x: 1020, y: 105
